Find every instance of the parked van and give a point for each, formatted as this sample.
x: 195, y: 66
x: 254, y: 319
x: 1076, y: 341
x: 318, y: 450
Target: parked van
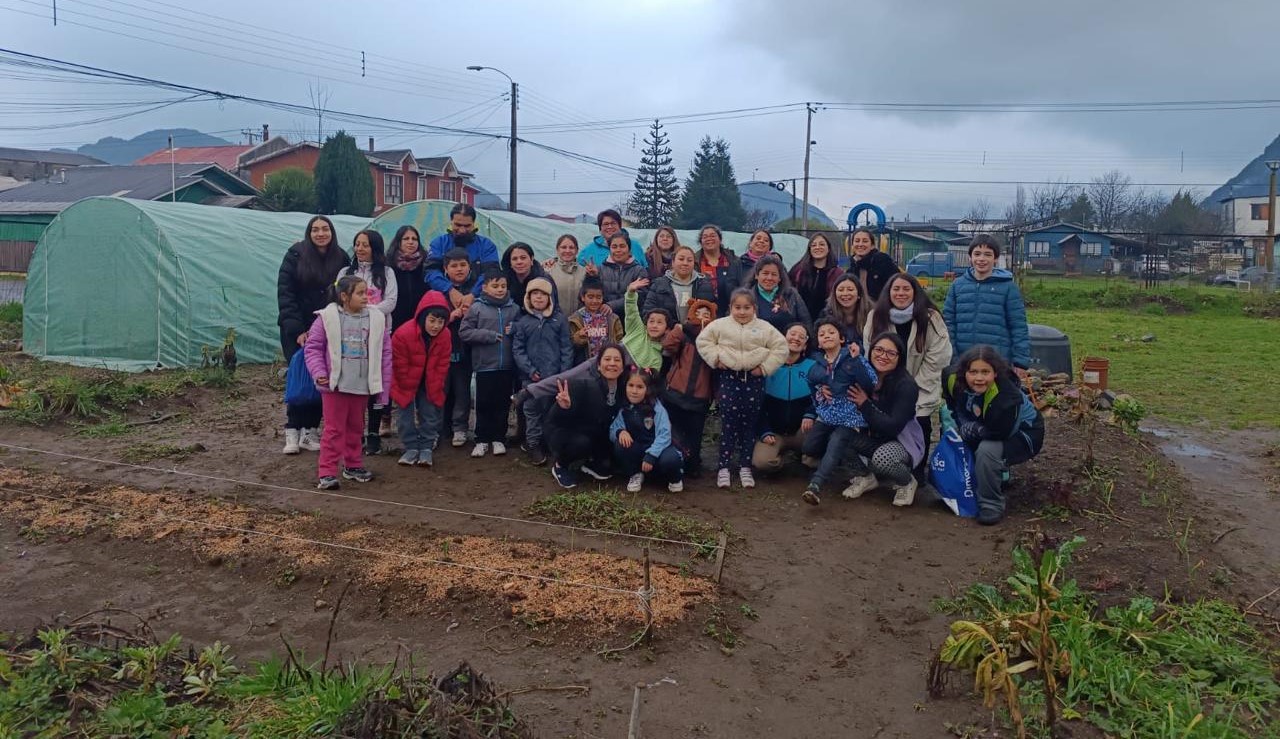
x: 937, y: 263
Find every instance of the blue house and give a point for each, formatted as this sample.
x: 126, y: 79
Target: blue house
x: 1070, y: 249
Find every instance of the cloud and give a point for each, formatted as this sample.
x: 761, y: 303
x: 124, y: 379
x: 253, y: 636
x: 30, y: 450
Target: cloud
x: 1008, y: 51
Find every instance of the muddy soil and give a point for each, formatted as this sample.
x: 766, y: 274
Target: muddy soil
x: 830, y: 606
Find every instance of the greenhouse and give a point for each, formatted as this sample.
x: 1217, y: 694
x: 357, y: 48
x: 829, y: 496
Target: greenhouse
x: 431, y: 218
x: 136, y: 285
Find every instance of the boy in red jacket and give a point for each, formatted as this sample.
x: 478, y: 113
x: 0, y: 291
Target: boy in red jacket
x: 420, y: 352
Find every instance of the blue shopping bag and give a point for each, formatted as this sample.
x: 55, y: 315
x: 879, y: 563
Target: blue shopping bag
x: 951, y: 472
x: 299, y: 388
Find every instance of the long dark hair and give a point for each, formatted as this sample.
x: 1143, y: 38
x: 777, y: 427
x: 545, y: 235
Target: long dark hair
x: 986, y: 353
x: 860, y: 308
x: 317, y: 268
x: 400, y: 232
x: 506, y: 260
x: 377, y: 258
x: 921, y: 309
x: 806, y: 273
x: 889, y: 383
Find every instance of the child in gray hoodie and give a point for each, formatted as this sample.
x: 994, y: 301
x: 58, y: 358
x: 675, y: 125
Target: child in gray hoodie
x: 487, y: 329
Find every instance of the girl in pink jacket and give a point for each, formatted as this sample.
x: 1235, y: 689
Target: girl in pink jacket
x: 348, y: 353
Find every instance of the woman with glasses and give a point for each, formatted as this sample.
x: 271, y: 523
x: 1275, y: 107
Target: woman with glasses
x: 905, y: 308
x: 892, y: 443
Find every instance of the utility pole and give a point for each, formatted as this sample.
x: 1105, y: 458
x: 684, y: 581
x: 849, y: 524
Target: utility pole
x: 173, y: 174
x: 515, y: 92
x: 1273, y: 165
x: 808, y: 144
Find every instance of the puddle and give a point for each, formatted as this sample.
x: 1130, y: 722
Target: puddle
x: 1174, y: 445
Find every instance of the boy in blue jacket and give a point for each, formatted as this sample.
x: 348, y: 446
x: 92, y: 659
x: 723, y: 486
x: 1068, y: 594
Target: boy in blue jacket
x: 541, y: 348
x: 487, y: 329
x: 984, y: 306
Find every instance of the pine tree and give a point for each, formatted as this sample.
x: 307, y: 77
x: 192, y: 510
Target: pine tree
x: 657, y: 196
x: 711, y: 192
x: 343, y: 182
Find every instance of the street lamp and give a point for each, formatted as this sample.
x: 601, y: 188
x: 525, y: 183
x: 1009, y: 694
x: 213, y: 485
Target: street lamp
x: 1273, y: 165
x: 515, y: 89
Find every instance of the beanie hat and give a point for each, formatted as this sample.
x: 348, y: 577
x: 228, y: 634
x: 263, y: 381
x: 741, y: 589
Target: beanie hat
x: 541, y: 284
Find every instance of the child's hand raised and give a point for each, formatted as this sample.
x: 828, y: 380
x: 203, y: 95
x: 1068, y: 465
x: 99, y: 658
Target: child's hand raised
x: 637, y: 284
x: 624, y: 439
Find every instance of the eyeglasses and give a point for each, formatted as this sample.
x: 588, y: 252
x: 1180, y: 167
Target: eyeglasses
x: 887, y: 353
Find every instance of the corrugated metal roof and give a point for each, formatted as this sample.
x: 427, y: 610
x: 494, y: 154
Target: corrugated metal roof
x: 227, y: 157
x: 137, y: 181
x: 71, y: 159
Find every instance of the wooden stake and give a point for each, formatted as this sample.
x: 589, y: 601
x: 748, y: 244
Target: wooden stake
x: 724, y: 542
x: 633, y: 730
x: 648, y: 606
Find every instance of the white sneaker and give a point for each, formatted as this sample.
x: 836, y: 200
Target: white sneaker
x: 480, y: 450
x: 722, y: 478
x: 903, y: 495
x: 309, y: 439
x: 499, y: 449
x: 459, y: 438
x: 675, y: 487
x: 748, y: 479
x: 291, y: 441
x: 859, y: 485
x: 634, y: 482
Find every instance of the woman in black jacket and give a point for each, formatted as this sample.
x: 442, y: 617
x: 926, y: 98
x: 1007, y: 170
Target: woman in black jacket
x: 720, y: 265
x: 868, y: 264
x: 776, y: 300
x: 405, y: 259
x: 673, y: 290
x: 586, y: 402
x: 302, y: 287
x: 520, y: 266
x: 892, y: 442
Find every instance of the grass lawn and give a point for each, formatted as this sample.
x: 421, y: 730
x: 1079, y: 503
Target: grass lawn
x: 1201, y: 368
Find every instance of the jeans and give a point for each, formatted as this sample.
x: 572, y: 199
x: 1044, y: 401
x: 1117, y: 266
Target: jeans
x: 457, y: 400
x: 534, y: 411
x: 343, y: 432
x: 668, y: 468
x: 829, y: 443
x: 419, y: 424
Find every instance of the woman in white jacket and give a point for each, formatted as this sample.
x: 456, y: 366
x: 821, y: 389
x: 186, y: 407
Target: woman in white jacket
x: 743, y: 349
x: 905, y: 307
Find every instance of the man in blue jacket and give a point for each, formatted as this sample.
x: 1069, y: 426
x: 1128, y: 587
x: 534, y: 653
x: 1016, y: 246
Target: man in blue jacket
x: 984, y: 306
x: 461, y: 235
x: 609, y: 222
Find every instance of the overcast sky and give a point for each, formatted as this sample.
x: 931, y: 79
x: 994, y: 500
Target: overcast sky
x: 593, y: 61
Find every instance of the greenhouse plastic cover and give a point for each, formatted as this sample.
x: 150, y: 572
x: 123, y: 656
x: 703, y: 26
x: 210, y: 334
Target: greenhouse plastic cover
x: 136, y: 285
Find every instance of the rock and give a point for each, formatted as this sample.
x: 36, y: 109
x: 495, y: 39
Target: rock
x: 1148, y: 338
x: 1106, y: 399
x: 321, y: 603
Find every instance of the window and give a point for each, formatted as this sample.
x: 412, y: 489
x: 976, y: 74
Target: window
x: 1258, y: 211
x: 447, y: 190
x: 1091, y: 249
x: 422, y: 188
x: 1037, y: 248
x: 392, y: 189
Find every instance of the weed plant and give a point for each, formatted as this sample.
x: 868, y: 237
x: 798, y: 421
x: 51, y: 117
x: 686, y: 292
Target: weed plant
x: 1144, y: 669
x: 608, y: 510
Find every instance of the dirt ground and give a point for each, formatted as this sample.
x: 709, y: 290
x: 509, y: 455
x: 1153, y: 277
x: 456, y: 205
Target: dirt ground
x: 831, y: 606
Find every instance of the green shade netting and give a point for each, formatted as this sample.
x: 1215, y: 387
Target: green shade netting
x: 431, y: 218
x: 135, y: 285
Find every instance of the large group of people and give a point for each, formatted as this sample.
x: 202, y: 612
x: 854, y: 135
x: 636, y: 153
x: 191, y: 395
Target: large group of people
x: 613, y: 356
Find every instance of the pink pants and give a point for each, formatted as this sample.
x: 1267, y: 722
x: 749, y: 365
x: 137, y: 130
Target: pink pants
x: 343, y: 432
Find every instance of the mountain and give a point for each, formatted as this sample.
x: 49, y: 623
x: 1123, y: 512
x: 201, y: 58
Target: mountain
x: 114, y: 150
x: 764, y: 196
x: 1251, y: 181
